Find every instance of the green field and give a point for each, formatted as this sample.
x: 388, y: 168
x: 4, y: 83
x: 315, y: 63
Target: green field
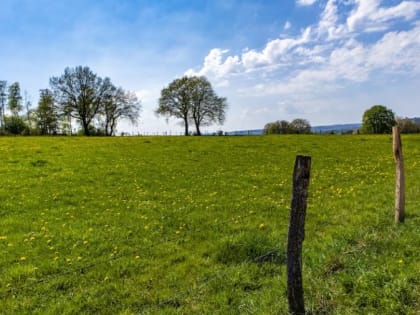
x: 198, y: 225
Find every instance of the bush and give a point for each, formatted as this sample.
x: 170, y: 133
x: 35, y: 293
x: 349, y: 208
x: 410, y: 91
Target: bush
x: 378, y: 119
x: 15, y: 125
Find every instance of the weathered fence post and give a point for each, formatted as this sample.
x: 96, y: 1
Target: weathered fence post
x: 296, y: 234
x: 400, y: 180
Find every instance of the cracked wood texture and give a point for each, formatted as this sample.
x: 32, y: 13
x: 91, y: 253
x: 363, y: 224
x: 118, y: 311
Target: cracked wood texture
x: 296, y: 234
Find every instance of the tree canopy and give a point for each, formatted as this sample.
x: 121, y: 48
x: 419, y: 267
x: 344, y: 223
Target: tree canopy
x: 46, y: 114
x: 85, y: 96
x: 192, y: 99
x: 297, y: 126
x: 119, y: 104
x: 15, y: 99
x: 378, y: 119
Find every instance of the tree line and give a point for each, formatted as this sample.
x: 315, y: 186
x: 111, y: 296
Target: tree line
x: 97, y: 105
x: 376, y: 120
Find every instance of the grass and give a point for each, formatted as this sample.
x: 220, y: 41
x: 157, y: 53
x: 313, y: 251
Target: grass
x: 174, y: 225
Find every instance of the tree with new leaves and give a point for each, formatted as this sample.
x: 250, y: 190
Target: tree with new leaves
x: 300, y: 126
x: 80, y: 93
x: 119, y: 104
x: 206, y: 107
x: 175, y: 101
x: 47, y: 113
x: 296, y: 126
x: 192, y: 99
x: 277, y: 127
x: 378, y: 119
x: 14, y: 99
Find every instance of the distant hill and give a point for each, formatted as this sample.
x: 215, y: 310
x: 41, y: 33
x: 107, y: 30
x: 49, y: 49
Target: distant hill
x: 317, y: 129
x: 342, y: 128
x: 339, y: 128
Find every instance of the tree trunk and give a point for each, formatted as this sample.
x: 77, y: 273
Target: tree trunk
x: 85, y: 126
x: 197, y: 128
x: 187, y: 133
x: 296, y: 235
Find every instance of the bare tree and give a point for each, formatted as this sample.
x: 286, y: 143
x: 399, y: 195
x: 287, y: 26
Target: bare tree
x: 3, y: 94
x: 120, y: 104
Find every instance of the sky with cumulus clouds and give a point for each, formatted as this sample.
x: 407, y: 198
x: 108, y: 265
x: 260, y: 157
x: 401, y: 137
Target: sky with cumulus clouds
x: 323, y: 60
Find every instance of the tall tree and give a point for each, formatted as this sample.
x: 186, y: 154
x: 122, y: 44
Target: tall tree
x: 277, y: 127
x: 81, y: 93
x: 175, y: 101
x: 206, y: 107
x: 15, y: 99
x: 192, y: 99
x: 46, y: 113
x: 120, y: 104
x: 300, y: 126
x: 378, y: 119
x: 3, y: 95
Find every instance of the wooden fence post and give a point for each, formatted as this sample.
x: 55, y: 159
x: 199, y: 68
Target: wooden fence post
x: 400, y: 180
x: 296, y: 234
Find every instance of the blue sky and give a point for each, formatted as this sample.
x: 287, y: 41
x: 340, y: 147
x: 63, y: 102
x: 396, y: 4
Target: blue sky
x: 323, y: 60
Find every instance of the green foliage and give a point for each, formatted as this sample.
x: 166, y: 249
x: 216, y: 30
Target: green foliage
x: 14, y: 99
x: 378, y: 119
x: 297, y: 126
x: 47, y: 114
x: 86, y: 97
x: 408, y: 125
x: 192, y: 99
x: 119, y: 104
x: 15, y: 125
x: 177, y: 225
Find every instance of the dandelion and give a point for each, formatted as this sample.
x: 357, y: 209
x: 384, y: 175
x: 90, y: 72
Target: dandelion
x: 401, y: 261
x: 177, y: 232
x: 261, y: 226
x: 56, y: 258
x: 137, y: 257
x: 79, y: 258
x: 22, y: 258
x: 68, y: 260
x: 106, y: 278
x: 3, y: 237
x: 85, y: 242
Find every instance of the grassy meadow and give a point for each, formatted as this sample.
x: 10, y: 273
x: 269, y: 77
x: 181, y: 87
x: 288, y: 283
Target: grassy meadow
x: 198, y: 225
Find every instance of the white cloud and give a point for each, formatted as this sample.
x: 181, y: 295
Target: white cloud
x: 214, y: 65
x: 328, y: 23
x: 305, y: 2
x: 324, y: 64
x: 287, y: 25
x: 370, y: 16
